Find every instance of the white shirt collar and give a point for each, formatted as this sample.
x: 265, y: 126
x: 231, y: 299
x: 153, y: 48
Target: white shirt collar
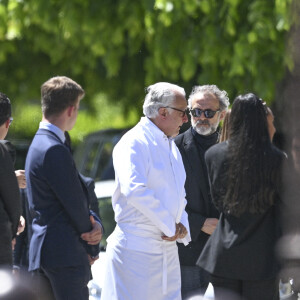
x: 155, y: 130
x: 54, y: 129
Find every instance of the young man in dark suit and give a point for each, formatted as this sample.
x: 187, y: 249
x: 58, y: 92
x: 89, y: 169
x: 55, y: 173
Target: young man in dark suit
x: 207, y: 106
x: 66, y: 237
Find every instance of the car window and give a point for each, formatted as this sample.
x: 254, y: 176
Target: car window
x: 94, y: 156
x: 105, y: 169
x: 93, y: 149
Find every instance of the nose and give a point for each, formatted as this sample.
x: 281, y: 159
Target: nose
x: 202, y: 116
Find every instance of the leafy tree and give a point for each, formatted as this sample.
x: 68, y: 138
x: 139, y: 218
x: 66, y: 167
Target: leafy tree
x: 117, y: 47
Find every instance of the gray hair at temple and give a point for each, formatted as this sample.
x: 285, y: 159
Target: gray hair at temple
x: 159, y: 95
x: 212, y: 89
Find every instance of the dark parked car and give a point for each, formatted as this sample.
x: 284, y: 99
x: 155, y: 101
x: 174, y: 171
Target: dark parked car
x: 21, y: 147
x: 93, y: 156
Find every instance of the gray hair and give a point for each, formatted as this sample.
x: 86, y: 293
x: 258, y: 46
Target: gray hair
x: 159, y: 95
x: 213, y: 89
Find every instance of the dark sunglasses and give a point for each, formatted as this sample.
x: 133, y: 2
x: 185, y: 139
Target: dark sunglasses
x: 183, y: 112
x: 208, y: 113
x: 10, y: 120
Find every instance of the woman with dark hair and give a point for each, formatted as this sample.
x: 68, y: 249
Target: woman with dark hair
x: 245, y: 181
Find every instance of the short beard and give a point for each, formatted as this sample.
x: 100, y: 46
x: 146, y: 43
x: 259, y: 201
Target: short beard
x: 212, y: 128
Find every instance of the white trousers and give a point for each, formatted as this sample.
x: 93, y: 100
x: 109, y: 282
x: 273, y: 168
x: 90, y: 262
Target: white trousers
x: 141, y: 275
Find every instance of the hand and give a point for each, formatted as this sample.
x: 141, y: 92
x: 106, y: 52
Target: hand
x: 20, y: 174
x: 92, y: 259
x: 210, y: 225
x: 95, y: 235
x: 21, y: 225
x: 180, y: 233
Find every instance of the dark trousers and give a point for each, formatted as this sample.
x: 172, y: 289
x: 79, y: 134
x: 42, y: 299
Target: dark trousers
x: 41, y: 285
x: 5, y: 245
x: 232, y: 289
x: 69, y: 283
x: 194, y: 281
x: 63, y: 283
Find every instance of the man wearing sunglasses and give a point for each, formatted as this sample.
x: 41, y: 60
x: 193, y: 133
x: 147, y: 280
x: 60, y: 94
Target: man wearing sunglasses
x: 208, y: 105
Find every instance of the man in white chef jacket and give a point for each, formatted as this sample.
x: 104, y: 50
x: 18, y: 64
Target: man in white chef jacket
x: 149, y: 202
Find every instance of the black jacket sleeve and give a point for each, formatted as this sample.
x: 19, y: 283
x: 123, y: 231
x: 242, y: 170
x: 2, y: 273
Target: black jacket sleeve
x: 9, y: 190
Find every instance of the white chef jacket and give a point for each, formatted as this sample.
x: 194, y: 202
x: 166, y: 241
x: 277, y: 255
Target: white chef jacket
x: 148, y: 200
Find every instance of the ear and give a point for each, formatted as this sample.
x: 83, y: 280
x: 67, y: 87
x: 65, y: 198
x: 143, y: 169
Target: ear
x: 70, y: 110
x: 162, y: 112
x: 222, y: 115
x: 7, y: 124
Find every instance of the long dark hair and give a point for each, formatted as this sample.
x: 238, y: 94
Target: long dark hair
x: 224, y: 136
x: 252, y: 176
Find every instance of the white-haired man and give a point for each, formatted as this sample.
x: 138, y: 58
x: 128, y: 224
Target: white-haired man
x: 208, y: 105
x: 149, y: 202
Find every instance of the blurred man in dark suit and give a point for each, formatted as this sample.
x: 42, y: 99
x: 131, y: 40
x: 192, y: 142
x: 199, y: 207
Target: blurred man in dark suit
x: 10, y: 205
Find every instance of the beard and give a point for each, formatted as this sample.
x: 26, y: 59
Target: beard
x: 205, y: 130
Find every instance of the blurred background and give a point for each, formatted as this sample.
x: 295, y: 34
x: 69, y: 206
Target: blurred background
x: 115, y: 48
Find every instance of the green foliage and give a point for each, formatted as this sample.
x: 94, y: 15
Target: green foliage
x: 105, y: 115
x: 27, y: 119
x: 117, y: 47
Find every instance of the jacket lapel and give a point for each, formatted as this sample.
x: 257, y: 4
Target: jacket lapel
x: 192, y: 154
x: 196, y: 165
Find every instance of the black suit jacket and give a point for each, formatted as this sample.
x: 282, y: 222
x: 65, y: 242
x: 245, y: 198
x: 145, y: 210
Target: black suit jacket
x: 199, y: 205
x: 10, y: 205
x: 242, y: 247
x: 60, y: 202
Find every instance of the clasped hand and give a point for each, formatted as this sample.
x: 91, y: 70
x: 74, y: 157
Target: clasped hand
x: 94, y: 236
x: 180, y: 233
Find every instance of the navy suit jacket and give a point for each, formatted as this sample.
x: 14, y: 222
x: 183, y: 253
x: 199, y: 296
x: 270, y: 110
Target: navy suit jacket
x: 60, y: 202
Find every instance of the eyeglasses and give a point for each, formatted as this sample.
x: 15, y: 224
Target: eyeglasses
x: 10, y: 120
x: 208, y: 113
x: 183, y: 112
